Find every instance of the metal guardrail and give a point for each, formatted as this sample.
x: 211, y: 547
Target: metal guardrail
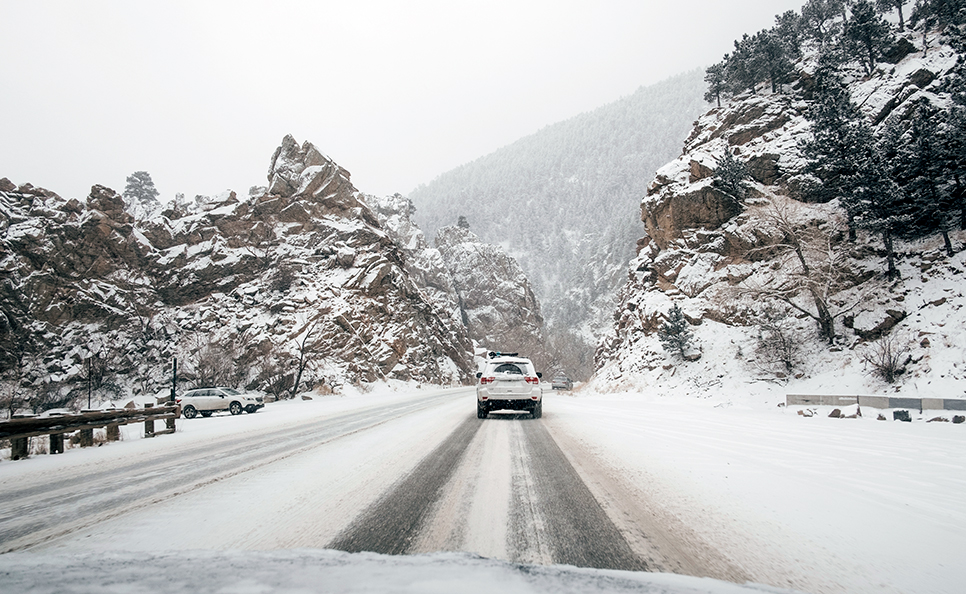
x: 880, y: 402
x: 20, y: 430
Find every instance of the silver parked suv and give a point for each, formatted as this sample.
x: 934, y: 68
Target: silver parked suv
x: 508, y: 382
x: 209, y: 400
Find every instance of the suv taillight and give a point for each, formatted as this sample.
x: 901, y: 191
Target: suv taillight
x: 533, y: 380
x: 177, y: 401
x: 487, y: 380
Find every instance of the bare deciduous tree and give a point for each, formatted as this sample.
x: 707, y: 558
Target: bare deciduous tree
x: 809, y: 262
x: 276, y: 378
x: 306, y: 346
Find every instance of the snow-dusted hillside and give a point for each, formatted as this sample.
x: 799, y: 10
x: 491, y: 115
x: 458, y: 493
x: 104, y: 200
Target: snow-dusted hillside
x: 562, y: 200
x: 712, y: 256
x: 295, y: 282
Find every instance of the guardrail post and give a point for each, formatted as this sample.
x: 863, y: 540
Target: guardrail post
x: 113, y: 432
x: 20, y: 447
x: 149, y: 423
x: 86, y: 438
x: 56, y: 443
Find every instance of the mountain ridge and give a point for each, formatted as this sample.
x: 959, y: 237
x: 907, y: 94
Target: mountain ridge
x: 293, y: 287
x: 562, y: 201
x: 723, y: 260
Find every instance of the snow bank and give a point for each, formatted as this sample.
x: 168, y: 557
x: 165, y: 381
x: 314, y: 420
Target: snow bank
x: 304, y: 571
x: 817, y: 504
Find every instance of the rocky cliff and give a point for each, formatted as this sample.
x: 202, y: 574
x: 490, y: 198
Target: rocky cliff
x: 296, y: 280
x: 497, y: 303
x: 485, y: 291
x: 714, y: 255
x: 423, y: 262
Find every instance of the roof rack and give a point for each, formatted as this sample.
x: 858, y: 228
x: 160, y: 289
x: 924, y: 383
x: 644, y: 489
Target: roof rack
x: 495, y: 354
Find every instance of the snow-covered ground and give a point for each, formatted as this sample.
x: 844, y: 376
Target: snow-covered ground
x: 811, y: 504
x: 818, y: 504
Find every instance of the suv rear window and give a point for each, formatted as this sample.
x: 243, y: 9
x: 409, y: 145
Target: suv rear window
x: 512, y: 368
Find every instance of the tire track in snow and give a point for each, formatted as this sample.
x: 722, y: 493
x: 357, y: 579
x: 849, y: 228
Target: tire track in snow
x: 565, y: 514
x: 392, y: 525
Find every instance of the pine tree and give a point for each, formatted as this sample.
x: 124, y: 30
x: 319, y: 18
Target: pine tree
x: 844, y: 153
x: 922, y: 169
x: 717, y: 80
x: 789, y: 31
x: 140, y: 188
x: 954, y: 143
x: 740, y: 67
x: 675, y: 333
x: 874, y: 201
x: 867, y: 34
x: 771, y: 59
x: 889, y: 5
x: 819, y: 18
x: 834, y: 119
x: 730, y: 175
x: 938, y: 13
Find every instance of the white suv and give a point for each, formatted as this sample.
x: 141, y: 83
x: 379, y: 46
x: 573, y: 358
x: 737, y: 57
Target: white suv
x: 209, y: 400
x: 508, y: 382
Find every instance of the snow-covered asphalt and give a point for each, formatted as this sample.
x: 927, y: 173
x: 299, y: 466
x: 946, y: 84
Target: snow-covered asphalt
x: 628, y: 482
x: 421, y: 474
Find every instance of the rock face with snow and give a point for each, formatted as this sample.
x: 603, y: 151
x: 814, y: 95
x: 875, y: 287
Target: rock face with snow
x: 423, y: 262
x: 485, y: 291
x: 496, y: 302
x: 300, y: 270
x: 710, y: 253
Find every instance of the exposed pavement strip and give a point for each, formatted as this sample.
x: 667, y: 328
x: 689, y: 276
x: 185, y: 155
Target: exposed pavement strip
x: 392, y: 523
x: 578, y: 530
x: 551, y: 508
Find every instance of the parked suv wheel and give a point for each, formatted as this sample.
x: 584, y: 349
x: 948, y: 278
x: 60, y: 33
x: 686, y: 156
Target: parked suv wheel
x: 189, y: 412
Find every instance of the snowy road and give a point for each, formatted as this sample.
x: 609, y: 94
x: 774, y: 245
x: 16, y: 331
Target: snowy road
x: 629, y: 481
x: 44, y: 506
x: 418, y: 474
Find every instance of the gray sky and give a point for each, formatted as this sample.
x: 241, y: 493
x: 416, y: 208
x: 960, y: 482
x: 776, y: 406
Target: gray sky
x: 199, y: 93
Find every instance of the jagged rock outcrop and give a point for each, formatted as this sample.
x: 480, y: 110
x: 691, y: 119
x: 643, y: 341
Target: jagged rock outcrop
x: 486, y: 292
x: 496, y: 302
x: 301, y: 267
x: 423, y: 262
x: 707, y: 251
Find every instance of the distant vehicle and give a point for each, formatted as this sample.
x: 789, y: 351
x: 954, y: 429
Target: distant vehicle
x: 508, y: 382
x: 562, y: 382
x: 210, y: 400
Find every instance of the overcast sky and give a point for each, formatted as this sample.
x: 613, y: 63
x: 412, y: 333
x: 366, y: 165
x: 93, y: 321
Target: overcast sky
x: 200, y: 93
